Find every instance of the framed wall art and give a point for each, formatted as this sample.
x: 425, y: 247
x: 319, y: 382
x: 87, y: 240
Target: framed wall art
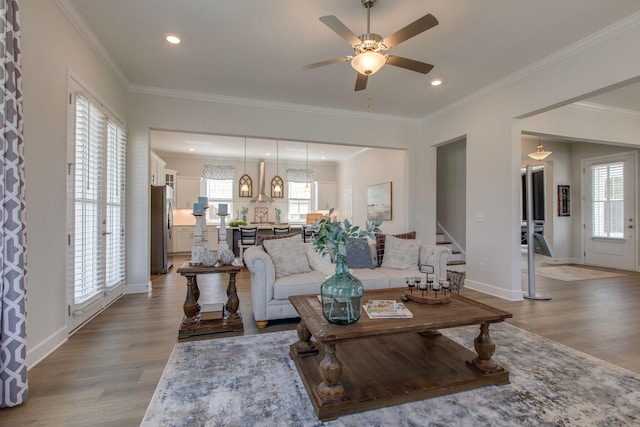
x: 260, y: 215
x: 379, y: 202
x: 564, y: 200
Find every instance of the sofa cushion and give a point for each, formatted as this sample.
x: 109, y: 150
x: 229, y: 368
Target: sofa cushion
x: 380, y: 243
x: 298, y: 284
x: 398, y: 278
x: 319, y: 262
x: 287, y: 255
x: 401, y: 254
x: 371, y: 278
x: 359, y: 256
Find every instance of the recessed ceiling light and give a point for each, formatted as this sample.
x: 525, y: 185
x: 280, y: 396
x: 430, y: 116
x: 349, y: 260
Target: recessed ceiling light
x: 436, y: 82
x: 267, y: 154
x: 323, y: 158
x: 192, y: 149
x: 173, y: 39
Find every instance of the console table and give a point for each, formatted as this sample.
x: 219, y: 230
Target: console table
x: 191, y: 324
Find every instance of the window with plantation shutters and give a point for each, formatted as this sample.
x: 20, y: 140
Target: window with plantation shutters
x: 97, y: 194
x: 607, y: 215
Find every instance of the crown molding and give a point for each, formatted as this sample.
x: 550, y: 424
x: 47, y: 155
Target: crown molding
x: 248, y: 102
x: 87, y: 33
x: 612, y: 30
x: 600, y: 108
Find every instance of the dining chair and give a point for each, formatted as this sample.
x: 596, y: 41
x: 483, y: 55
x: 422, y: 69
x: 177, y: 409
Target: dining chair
x: 281, y: 229
x: 247, y: 238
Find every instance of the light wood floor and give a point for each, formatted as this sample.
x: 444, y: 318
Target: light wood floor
x: 107, y: 372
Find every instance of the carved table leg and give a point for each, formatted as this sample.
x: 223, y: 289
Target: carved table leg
x: 485, y: 348
x: 233, y: 302
x: 330, y: 371
x: 196, y: 292
x: 190, y: 305
x: 304, y: 346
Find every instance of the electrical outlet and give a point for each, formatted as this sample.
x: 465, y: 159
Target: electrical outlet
x: 483, y: 267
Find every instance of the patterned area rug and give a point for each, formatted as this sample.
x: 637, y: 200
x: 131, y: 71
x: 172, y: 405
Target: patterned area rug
x: 250, y: 381
x: 569, y: 273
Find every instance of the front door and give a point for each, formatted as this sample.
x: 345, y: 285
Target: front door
x: 609, y: 211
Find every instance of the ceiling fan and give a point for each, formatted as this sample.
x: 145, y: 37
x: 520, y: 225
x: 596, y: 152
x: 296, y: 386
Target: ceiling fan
x: 367, y: 48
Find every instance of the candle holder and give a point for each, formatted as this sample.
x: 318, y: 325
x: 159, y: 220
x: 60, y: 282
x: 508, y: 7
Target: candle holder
x: 198, y: 249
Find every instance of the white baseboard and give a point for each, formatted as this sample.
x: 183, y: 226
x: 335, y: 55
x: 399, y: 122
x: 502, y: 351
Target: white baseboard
x: 36, y: 354
x: 513, y: 295
x: 558, y: 261
x: 137, y: 288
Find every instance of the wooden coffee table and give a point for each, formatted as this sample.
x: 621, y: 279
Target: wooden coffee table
x: 375, y: 363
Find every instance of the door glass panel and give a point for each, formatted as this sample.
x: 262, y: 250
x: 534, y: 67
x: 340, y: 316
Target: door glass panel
x: 607, y: 200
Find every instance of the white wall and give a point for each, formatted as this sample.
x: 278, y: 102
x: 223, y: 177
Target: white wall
x: 376, y: 167
x: 51, y: 47
x: 150, y: 111
x: 492, y: 129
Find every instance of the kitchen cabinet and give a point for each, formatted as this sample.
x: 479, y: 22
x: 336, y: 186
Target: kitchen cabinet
x: 183, y: 238
x: 187, y: 191
x: 326, y: 195
x: 156, y: 169
x: 170, y: 181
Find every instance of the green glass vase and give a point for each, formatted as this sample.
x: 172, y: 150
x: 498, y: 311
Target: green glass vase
x: 342, y: 295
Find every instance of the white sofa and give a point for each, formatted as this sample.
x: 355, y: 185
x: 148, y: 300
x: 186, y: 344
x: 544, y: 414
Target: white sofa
x: 270, y: 295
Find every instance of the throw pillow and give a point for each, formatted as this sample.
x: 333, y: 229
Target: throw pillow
x: 401, y: 254
x: 380, y: 239
x: 288, y: 255
x: 318, y: 262
x: 261, y: 238
x: 358, y: 255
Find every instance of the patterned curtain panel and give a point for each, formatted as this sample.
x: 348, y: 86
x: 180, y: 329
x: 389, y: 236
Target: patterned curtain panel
x: 211, y: 171
x: 299, y: 175
x: 13, y: 344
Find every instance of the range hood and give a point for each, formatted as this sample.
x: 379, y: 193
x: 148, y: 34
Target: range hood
x: 262, y: 196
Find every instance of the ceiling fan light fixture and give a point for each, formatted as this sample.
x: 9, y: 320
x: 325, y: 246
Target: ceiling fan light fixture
x: 368, y: 63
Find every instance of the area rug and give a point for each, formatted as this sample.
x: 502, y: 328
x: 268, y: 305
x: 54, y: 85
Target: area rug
x: 568, y: 273
x: 250, y: 381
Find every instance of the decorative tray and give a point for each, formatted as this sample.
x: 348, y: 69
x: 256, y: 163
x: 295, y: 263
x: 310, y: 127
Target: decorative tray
x: 430, y: 297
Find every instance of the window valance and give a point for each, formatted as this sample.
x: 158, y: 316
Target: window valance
x: 299, y: 175
x: 211, y: 171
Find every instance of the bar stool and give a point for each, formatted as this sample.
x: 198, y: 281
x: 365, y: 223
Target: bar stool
x: 281, y: 229
x: 247, y: 238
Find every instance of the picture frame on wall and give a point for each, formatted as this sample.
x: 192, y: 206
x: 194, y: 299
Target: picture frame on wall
x: 379, y: 205
x: 261, y: 215
x: 564, y: 200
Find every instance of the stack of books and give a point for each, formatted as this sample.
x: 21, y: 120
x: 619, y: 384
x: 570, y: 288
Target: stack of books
x: 386, y: 309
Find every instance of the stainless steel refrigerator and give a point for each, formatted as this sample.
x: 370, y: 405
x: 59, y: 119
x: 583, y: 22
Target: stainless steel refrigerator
x: 161, y: 225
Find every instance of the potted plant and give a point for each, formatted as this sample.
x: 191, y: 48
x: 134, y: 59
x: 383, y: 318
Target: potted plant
x: 341, y: 292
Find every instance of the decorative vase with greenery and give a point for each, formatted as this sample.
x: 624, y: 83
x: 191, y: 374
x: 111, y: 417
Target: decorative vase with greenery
x: 341, y: 292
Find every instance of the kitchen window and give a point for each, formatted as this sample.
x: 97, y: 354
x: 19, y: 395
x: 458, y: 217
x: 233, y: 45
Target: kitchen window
x: 299, y: 201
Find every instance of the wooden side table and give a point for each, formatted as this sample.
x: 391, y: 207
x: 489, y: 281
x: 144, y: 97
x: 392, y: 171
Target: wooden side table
x: 191, y: 324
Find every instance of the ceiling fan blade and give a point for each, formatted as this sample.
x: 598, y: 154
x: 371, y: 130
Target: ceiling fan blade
x: 409, y: 64
x: 361, y: 82
x: 327, y: 62
x: 336, y: 25
x: 413, y: 29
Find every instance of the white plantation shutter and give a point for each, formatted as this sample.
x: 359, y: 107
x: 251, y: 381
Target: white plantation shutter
x: 88, y: 255
x: 116, y: 155
x: 97, y: 240
x: 608, y: 200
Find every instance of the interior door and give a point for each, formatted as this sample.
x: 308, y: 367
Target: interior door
x: 609, y: 211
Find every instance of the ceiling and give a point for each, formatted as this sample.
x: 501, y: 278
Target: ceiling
x: 256, y: 50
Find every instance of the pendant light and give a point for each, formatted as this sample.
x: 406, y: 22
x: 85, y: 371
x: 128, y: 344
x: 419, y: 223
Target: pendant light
x: 246, y: 185
x: 539, y: 154
x: 307, y: 187
x: 276, y: 182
